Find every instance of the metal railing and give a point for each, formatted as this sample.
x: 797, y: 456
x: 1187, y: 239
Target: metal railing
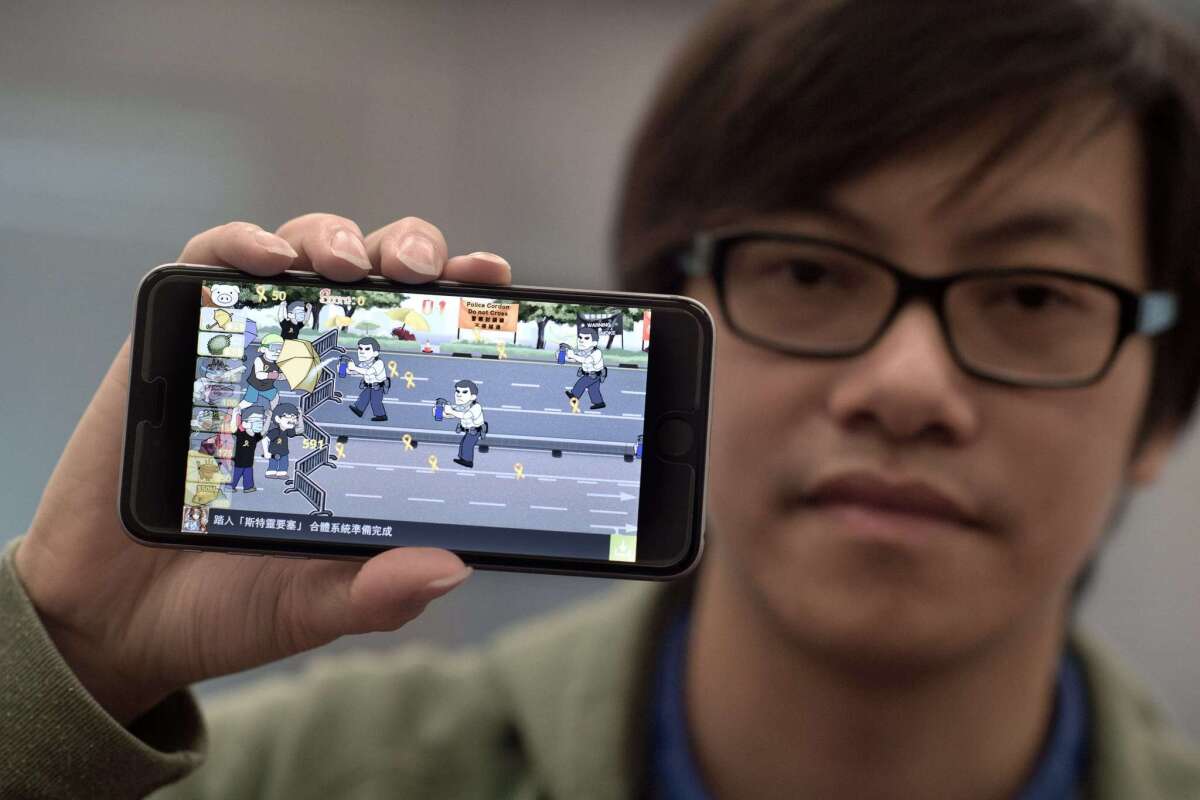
x: 325, y: 390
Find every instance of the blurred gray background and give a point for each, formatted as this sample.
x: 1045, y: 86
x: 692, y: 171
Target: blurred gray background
x: 127, y: 127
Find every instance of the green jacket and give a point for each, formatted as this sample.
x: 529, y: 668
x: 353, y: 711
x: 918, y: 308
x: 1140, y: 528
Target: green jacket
x: 556, y: 708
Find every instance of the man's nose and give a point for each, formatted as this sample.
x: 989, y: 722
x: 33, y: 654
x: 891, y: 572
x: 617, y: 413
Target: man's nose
x: 907, y: 384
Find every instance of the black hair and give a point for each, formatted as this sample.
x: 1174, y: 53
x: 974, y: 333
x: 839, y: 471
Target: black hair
x: 369, y: 340
x: 589, y: 331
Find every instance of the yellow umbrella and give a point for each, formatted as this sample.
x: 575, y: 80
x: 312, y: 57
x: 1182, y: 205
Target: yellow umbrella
x: 299, y: 364
x: 409, y: 318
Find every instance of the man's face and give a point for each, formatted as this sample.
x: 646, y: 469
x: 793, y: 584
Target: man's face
x: 272, y: 352
x: 286, y: 421
x: 365, y: 353
x: 1040, y: 469
x: 584, y: 341
x: 296, y: 314
x: 462, y: 395
x: 255, y: 424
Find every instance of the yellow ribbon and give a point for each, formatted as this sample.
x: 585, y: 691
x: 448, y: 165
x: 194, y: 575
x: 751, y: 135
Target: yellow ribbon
x: 520, y: 470
x: 574, y: 405
x: 408, y: 380
x: 341, y: 450
x: 392, y: 369
x: 433, y: 462
x: 407, y: 439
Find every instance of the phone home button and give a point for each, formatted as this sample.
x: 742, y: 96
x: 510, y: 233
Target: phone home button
x: 674, y: 437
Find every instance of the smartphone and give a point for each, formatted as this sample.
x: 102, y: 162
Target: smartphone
x: 523, y: 428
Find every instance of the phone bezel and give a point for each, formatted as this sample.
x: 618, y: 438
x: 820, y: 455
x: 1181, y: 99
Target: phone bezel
x: 670, y: 555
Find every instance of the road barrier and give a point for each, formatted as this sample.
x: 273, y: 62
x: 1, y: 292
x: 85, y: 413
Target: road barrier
x: 320, y: 456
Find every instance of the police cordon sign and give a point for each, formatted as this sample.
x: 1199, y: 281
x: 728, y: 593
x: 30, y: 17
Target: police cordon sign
x: 485, y: 315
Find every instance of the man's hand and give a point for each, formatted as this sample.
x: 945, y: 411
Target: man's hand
x: 136, y: 623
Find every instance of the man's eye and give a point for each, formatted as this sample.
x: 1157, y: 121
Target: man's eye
x: 808, y: 273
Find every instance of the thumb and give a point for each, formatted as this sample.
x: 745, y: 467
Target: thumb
x: 393, y: 588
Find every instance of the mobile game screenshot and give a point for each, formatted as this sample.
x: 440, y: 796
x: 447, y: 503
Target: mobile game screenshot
x: 364, y: 416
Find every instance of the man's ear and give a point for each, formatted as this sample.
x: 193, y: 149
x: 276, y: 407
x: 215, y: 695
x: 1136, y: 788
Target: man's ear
x: 1152, y: 456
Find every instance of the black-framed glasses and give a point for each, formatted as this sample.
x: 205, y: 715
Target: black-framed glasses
x: 1019, y: 326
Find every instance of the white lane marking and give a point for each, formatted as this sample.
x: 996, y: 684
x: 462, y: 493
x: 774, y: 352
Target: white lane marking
x: 601, y: 511
x: 633, y: 484
x: 344, y: 466
x: 456, y: 380
x: 626, y: 528
x: 548, y: 480
x: 425, y: 500
x: 622, y: 496
x: 506, y: 475
x: 549, y: 508
x: 418, y: 432
x: 370, y: 496
x: 425, y: 471
x: 627, y: 414
x: 588, y: 483
x: 494, y: 409
x: 527, y: 385
x: 482, y: 503
x: 631, y: 391
x: 464, y: 472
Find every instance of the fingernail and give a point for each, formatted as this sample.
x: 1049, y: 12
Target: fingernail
x: 443, y: 585
x: 274, y: 244
x: 350, y: 248
x: 417, y: 253
x: 492, y: 257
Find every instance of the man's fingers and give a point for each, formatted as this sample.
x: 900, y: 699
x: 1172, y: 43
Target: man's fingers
x: 329, y: 244
x: 478, y: 268
x: 386, y: 592
x: 240, y: 244
x: 409, y: 250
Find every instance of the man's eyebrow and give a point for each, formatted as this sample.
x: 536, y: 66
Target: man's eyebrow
x: 833, y: 211
x: 1070, y: 223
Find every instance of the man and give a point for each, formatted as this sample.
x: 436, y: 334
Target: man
x: 374, y: 381
x: 260, y: 381
x: 292, y: 318
x: 247, y: 437
x: 469, y: 413
x: 591, y: 368
x: 285, y: 419
x: 982, y: 210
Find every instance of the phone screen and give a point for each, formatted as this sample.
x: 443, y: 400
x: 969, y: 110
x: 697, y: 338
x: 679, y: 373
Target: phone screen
x: 401, y: 418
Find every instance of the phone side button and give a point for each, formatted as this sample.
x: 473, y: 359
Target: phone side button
x: 674, y: 438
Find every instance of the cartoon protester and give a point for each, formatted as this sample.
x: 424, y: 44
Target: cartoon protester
x: 592, y: 371
x: 292, y: 318
x: 374, y: 383
x: 249, y: 433
x: 469, y: 413
x: 285, y: 423
x: 260, y: 381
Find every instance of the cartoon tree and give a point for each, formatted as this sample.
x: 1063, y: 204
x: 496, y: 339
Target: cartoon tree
x: 542, y: 313
x: 367, y: 326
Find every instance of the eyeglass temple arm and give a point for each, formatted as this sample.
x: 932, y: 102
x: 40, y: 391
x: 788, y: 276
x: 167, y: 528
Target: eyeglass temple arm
x: 1156, y: 312
x: 695, y: 261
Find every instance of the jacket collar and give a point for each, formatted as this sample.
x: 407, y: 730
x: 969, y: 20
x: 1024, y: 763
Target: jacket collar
x: 578, y: 686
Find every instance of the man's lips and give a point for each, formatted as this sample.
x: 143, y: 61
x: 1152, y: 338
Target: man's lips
x: 892, y: 501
